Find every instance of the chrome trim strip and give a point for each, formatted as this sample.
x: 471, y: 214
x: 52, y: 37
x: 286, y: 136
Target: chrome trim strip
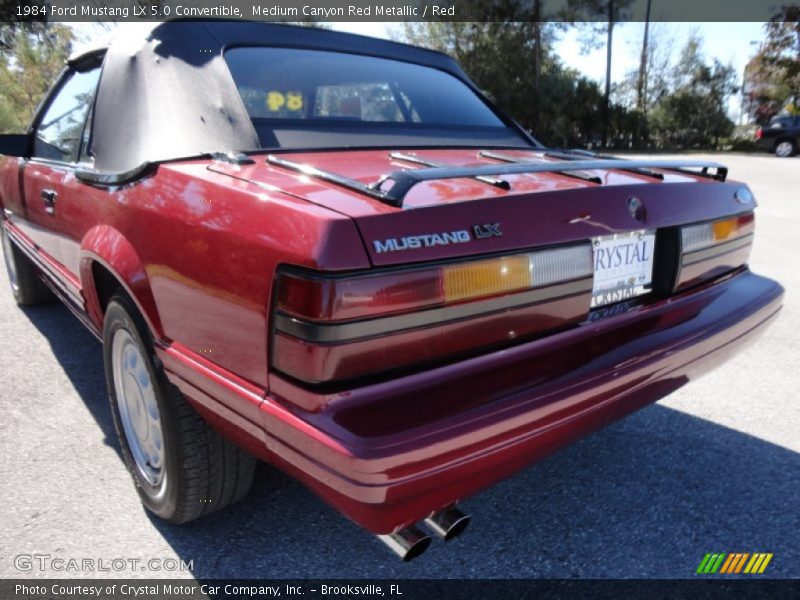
x: 336, y: 333
x: 696, y: 256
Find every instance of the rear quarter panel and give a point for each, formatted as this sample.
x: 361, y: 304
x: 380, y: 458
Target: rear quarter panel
x: 209, y: 246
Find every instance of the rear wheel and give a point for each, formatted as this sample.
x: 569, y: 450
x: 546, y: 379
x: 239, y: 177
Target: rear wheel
x: 26, y: 285
x: 182, y: 468
x: 785, y: 148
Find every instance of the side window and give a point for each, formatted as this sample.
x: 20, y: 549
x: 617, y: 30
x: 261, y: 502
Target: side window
x: 59, y: 135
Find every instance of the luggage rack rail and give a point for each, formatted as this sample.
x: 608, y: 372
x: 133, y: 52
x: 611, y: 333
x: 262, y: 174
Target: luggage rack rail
x: 515, y: 159
x: 402, y: 181
x: 570, y: 155
x: 578, y: 154
x: 413, y: 158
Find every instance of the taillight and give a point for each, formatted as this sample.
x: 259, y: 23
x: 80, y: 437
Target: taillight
x: 714, y: 233
x: 339, y: 299
x: 328, y: 299
x: 326, y: 327
x: 712, y: 248
x: 759, y: 133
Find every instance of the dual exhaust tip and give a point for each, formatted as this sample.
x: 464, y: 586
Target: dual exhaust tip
x: 410, y: 542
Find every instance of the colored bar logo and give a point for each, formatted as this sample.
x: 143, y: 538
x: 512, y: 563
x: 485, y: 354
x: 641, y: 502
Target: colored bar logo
x: 734, y: 563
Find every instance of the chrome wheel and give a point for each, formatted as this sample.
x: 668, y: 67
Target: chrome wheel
x: 784, y: 149
x: 11, y: 266
x: 138, y: 408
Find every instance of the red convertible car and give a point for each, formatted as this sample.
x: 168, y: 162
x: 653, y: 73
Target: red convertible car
x: 334, y: 254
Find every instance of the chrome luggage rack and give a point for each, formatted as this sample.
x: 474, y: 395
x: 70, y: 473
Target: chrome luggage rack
x: 403, y: 180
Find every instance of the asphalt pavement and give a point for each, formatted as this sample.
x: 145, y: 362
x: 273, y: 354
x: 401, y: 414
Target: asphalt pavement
x: 715, y: 467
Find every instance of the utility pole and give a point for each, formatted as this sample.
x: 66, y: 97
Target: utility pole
x: 606, y: 114
x: 537, y: 61
x: 641, y: 84
x: 641, y: 87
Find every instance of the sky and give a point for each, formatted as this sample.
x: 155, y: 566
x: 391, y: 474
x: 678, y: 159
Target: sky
x: 732, y: 43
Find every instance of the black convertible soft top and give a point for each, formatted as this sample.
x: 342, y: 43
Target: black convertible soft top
x: 166, y: 91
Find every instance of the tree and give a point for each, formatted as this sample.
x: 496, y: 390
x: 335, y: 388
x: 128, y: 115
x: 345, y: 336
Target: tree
x: 611, y: 11
x: 559, y: 105
x: 694, y: 114
x: 505, y: 50
x: 640, y: 97
x: 772, y: 77
x: 10, y: 23
x: 643, y: 96
x: 32, y: 59
x: 641, y: 81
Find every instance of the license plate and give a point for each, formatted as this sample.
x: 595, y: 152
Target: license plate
x: 623, y: 266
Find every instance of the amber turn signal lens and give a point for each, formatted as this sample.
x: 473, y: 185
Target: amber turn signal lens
x: 725, y: 229
x: 486, y: 277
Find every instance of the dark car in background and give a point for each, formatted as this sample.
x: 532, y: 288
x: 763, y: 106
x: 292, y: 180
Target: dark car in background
x: 781, y: 136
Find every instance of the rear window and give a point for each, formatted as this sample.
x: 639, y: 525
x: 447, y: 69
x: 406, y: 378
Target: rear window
x: 285, y: 89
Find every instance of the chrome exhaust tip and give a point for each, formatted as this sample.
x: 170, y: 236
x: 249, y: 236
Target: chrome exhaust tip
x: 407, y: 543
x: 447, y: 523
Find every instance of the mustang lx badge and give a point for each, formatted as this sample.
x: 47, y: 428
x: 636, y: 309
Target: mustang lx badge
x: 445, y: 238
x: 486, y: 230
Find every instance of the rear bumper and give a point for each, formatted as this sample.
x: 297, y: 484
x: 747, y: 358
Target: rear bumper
x: 388, y: 454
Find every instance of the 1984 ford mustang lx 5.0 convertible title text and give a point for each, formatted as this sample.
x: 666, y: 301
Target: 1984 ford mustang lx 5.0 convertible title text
x: 334, y: 254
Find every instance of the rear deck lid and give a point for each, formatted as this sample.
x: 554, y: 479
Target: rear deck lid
x: 454, y: 217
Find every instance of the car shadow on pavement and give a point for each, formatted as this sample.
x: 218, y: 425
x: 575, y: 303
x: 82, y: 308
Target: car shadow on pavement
x: 81, y: 356
x: 645, y: 497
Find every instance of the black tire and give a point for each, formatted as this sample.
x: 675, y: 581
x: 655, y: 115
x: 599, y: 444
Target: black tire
x: 202, y: 472
x: 26, y: 285
x: 785, y: 147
